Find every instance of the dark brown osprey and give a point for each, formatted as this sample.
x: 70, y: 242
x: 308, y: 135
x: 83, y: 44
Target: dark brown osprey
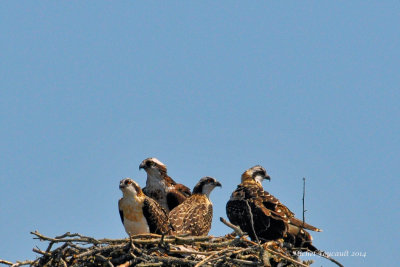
x: 272, y: 220
x: 194, y: 215
x: 161, y: 187
x: 139, y: 213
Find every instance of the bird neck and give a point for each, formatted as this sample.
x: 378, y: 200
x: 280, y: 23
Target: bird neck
x: 130, y: 195
x: 154, y: 179
x: 206, y: 190
x: 259, y: 179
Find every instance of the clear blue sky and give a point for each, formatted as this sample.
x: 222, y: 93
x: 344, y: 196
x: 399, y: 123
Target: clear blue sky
x: 90, y: 89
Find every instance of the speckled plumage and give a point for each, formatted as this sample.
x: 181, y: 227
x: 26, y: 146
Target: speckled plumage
x: 272, y: 219
x: 194, y: 215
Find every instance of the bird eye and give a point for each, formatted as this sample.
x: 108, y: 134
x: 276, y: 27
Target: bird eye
x: 127, y: 182
x: 148, y: 164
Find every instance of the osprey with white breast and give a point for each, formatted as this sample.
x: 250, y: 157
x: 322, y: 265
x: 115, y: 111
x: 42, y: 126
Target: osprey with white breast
x: 194, y: 215
x: 161, y: 187
x: 139, y: 213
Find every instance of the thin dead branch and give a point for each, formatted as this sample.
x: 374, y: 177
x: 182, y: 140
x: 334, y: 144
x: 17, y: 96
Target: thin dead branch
x: 304, y: 195
x: 235, y: 228
x: 252, y: 221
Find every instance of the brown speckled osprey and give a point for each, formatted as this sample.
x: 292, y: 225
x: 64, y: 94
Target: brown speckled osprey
x: 139, y: 213
x: 194, y: 215
x: 161, y: 187
x: 272, y: 220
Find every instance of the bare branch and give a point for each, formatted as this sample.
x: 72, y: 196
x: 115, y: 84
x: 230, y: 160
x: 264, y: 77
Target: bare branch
x: 235, y: 228
x: 304, y: 194
x: 252, y: 221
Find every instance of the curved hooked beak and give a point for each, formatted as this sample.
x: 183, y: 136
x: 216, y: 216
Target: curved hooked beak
x: 121, y: 185
x: 142, y: 166
x: 218, y: 184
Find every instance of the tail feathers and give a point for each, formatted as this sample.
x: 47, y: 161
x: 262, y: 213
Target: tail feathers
x: 304, y: 225
x: 309, y: 246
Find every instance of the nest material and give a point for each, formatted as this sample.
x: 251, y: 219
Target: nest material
x: 155, y: 250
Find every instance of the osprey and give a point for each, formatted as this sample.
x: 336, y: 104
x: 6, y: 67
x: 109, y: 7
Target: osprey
x: 271, y: 219
x: 161, y: 187
x: 139, y: 213
x: 195, y: 214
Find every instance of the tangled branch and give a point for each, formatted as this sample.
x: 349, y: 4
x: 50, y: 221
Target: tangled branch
x: 155, y: 250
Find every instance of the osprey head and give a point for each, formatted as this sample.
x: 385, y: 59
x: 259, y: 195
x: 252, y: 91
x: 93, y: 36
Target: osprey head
x: 130, y: 187
x: 206, y: 185
x: 153, y: 166
x: 256, y: 173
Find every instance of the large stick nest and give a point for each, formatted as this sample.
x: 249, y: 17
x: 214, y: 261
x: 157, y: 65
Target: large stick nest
x: 155, y: 250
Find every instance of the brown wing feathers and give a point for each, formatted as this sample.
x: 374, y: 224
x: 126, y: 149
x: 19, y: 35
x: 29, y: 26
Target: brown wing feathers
x: 177, y: 195
x: 156, y: 217
x: 267, y: 223
x: 271, y: 219
x: 273, y: 204
x: 193, y: 216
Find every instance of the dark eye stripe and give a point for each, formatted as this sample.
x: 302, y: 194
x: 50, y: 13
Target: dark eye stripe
x: 259, y: 173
